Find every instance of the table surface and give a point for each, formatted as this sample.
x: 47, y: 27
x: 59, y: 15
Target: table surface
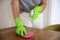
x: 9, y: 34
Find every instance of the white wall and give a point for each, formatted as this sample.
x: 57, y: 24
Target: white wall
x: 5, y: 14
x: 55, y: 12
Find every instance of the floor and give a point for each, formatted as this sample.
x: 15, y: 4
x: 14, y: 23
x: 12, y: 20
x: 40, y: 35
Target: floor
x: 9, y: 34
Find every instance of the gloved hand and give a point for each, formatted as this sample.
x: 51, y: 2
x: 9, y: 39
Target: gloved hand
x: 36, y: 11
x: 20, y: 29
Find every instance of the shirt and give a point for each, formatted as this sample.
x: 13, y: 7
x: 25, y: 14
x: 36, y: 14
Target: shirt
x: 28, y: 5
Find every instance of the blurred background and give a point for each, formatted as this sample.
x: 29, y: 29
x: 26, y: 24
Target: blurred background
x: 50, y: 16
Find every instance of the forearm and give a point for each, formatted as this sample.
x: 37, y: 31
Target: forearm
x: 15, y: 8
x: 43, y: 5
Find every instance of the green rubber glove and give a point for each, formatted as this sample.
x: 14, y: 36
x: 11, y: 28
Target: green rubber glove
x: 21, y: 30
x: 36, y: 11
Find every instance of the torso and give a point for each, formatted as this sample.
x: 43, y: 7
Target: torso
x: 28, y: 5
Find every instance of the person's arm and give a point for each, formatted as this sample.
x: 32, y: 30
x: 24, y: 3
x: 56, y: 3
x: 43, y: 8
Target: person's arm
x: 38, y: 9
x: 15, y: 8
x: 20, y: 29
x: 43, y: 5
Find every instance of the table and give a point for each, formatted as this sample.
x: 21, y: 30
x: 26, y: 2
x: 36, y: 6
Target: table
x: 9, y: 34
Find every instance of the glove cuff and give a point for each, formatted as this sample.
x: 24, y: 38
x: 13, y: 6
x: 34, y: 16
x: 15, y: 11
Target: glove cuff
x: 38, y: 8
x: 18, y: 22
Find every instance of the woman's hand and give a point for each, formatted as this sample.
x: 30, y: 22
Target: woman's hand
x: 36, y: 11
x: 20, y: 29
